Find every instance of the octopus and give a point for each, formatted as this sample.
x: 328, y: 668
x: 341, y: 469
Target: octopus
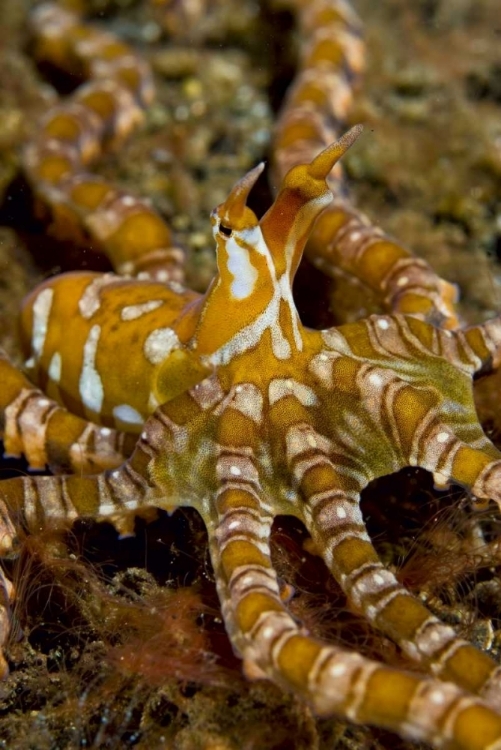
x: 224, y: 401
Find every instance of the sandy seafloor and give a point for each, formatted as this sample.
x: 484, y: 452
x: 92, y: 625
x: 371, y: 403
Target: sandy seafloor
x: 121, y: 643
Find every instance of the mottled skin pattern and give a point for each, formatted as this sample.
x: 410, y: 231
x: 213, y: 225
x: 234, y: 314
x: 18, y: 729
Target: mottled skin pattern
x: 254, y: 415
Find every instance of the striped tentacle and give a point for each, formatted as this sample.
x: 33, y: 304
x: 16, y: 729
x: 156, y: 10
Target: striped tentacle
x: 316, y: 106
x: 330, y: 481
x: 477, y: 467
x: 482, y: 343
x: 467, y: 456
x: 100, y: 114
x: 414, y: 381
x: 439, y: 433
x: 272, y: 644
x: 48, y: 435
x: 335, y: 521
x: 30, y: 504
x: 421, y: 436
x: 318, y: 101
x: 42, y: 430
x: 329, y: 477
x: 473, y: 350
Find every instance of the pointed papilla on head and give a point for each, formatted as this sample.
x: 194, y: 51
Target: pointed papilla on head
x: 303, y: 196
x: 322, y: 164
x: 310, y: 179
x: 234, y: 213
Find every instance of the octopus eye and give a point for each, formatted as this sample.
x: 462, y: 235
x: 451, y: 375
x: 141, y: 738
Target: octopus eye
x: 227, y: 231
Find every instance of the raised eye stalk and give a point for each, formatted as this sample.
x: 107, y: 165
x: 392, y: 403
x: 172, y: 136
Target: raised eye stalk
x: 303, y: 196
x: 322, y: 164
x: 233, y: 214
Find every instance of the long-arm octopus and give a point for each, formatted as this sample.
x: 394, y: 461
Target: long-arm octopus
x: 239, y: 410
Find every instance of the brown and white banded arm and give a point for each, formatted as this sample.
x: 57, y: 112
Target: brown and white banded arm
x: 48, y: 435
x: 31, y: 504
x: 315, y: 110
x: 329, y: 479
x: 100, y: 114
x: 483, y: 344
x: 335, y: 522
x: 332, y: 680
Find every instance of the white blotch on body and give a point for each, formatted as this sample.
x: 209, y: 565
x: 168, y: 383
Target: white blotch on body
x: 269, y: 319
x: 132, y: 312
x: 337, y: 670
x: 281, y: 387
x: 41, y: 313
x: 90, y: 385
x: 312, y: 441
x: 127, y: 414
x: 243, y: 272
x: 90, y: 301
x: 437, y: 697
x: 268, y: 632
x: 159, y: 344
x: 248, y: 400
x: 375, y: 379
x: 54, y: 369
